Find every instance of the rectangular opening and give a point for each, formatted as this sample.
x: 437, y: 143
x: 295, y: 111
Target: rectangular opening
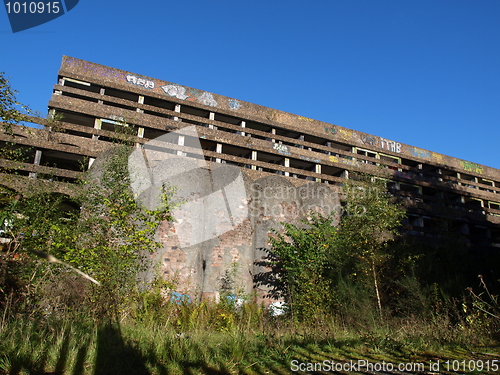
x: 413, y: 189
x: 367, y: 153
x: 494, y: 205
x: 155, y: 102
x: 69, y: 82
x: 77, y: 96
x: 122, y: 94
x: 194, y: 111
x: 63, y: 160
x: 474, y: 202
x: 118, y: 105
x: 227, y: 119
x: 77, y: 118
x: 390, y: 158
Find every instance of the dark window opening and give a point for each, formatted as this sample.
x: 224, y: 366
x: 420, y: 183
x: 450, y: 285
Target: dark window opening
x: 227, y: 119
x: 76, y: 85
x: 122, y: 94
x: 165, y: 104
x: 77, y: 96
x: 117, y: 105
x: 194, y: 111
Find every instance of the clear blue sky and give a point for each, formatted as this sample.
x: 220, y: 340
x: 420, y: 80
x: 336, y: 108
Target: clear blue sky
x: 425, y: 73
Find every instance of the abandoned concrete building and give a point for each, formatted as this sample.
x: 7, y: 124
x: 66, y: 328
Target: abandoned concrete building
x: 274, y: 150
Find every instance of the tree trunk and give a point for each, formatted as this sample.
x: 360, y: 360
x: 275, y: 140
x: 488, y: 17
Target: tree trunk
x: 375, y: 282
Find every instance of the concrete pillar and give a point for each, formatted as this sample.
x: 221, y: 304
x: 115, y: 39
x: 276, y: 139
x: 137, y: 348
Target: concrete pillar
x: 273, y: 131
x: 243, y: 125
x: 211, y: 116
x: 141, y: 99
x: 140, y: 134
x: 178, y: 110
x: 318, y: 170
x: 287, y: 165
x: 301, y: 138
x: 180, y: 142
x: 218, y: 149
x: 101, y: 92
x: 38, y: 158
x: 254, y: 157
x: 97, y: 125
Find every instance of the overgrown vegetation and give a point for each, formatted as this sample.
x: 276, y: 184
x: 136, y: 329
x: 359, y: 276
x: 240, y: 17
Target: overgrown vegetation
x: 356, y: 290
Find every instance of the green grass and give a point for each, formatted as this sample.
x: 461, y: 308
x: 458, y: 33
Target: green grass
x: 80, y: 346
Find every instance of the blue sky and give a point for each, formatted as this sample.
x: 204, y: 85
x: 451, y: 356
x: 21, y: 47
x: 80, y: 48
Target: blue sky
x: 425, y: 73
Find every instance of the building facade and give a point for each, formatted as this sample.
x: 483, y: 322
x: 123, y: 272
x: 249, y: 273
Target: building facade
x: 94, y: 100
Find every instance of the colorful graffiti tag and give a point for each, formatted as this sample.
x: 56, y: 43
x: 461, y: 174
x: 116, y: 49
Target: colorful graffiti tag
x: 333, y: 159
x: 471, y: 167
x: 347, y: 134
x: 282, y: 149
x: 234, y: 104
x: 183, y: 93
x: 402, y: 174
x: 437, y: 157
x: 369, y: 140
x: 352, y: 163
x: 207, y: 99
x: 139, y: 81
x: 418, y: 152
x: 390, y: 145
x: 331, y: 130
x: 175, y: 91
x: 94, y: 69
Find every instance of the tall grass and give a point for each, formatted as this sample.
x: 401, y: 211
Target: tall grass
x: 209, y: 338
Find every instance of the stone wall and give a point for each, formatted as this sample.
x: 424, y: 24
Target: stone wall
x: 226, y: 213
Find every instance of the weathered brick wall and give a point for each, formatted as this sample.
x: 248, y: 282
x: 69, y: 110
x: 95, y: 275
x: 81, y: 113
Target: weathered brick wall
x: 234, y: 248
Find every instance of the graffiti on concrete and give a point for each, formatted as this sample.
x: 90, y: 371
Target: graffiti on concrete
x: 175, y: 91
x: 390, y: 145
x: 333, y: 159
x: 207, y: 99
x: 139, y: 81
x: 305, y: 118
x: 403, y: 175
x: 471, y: 167
x: 183, y: 93
x: 369, y: 140
x: 331, y: 130
x: 437, y: 157
x: 282, y: 149
x: 234, y: 104
x: 94, y: 69
x: 350, y: 162
x: 418, y: 152
x: 347, y: 134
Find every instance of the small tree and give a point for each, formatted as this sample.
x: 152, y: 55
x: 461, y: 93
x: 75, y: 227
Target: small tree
x: 307, y: 260
x: 11, y: 111
x: 300, y: 257
x: 370, y: 223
